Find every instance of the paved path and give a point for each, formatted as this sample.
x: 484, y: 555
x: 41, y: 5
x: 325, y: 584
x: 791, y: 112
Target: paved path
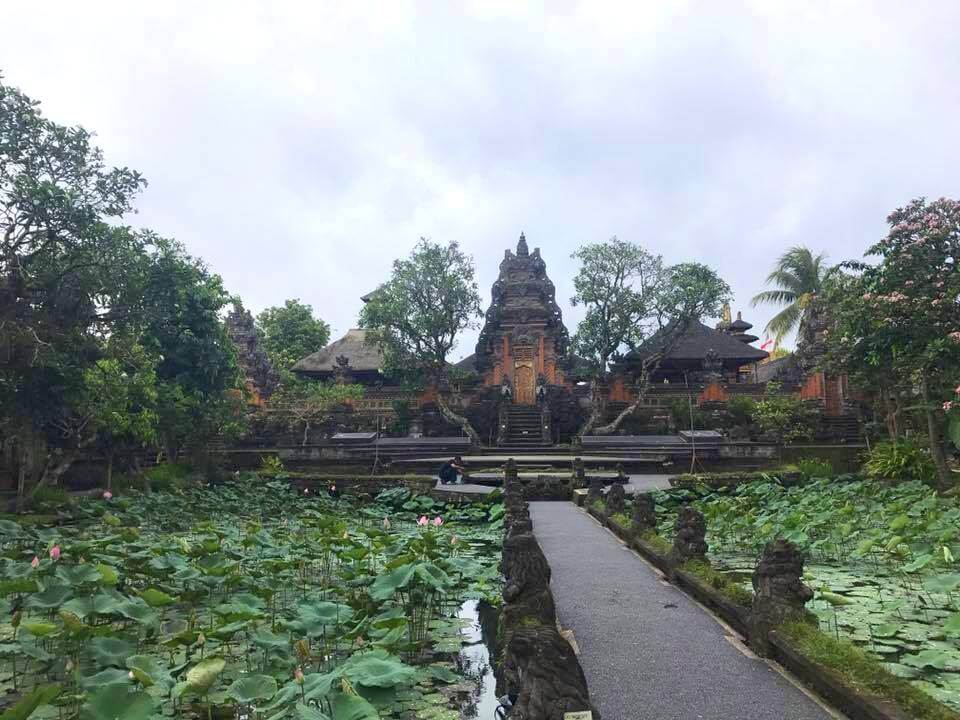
x: 648, y: 651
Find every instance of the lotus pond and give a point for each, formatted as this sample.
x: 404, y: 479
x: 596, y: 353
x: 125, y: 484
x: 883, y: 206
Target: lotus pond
x: 881, y: 559
x: 250, y: 601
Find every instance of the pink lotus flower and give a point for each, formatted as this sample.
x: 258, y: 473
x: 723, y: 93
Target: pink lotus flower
x: 55, y: 553
x: 386, y: 523
x: 438, y: 521
x: 957, y: 391
x: 107, y: 494
x: 298, y: 676
x: 35, y: 563
x: 423, y: 520
x: 947, y: 406
x: 955, y: 336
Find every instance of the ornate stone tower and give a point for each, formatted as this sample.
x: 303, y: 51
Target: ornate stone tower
x: 523, y: 342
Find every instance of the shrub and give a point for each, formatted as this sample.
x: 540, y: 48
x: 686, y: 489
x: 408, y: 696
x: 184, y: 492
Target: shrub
x: 271, y: 465
x: 815, y: 468
x: 50, y: 498
x: 167, y: 476
x: 741, y: 409
x: 900, y: 460
x: 684, y: 417
x: 785, y: 417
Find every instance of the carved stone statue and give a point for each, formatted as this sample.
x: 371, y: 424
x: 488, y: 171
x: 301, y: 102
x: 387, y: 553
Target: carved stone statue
x: 542, y: 667
x: 595, y: 490
x: 779, y: 592
x: 341, y: 371
x: 689, y: 541
x: 615, y: 499
x: 644, y: 514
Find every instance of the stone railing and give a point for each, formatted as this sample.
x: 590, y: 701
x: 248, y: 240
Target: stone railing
x: 540, y: 672
x: 766, y: 616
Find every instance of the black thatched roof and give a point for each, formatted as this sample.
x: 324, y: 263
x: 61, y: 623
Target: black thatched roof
x: 694, y: 344
x: 363, y: 356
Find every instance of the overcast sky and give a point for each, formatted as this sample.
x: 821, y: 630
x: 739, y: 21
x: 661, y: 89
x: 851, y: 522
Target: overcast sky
x: 299, y: 149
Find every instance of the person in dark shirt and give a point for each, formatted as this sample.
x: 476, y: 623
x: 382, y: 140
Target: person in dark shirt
x: 451, y: 471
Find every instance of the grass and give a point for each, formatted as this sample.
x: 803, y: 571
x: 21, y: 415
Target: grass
x: 864, y: 673
x: 734, y: 592
x: 622, y: 520
x: 660, y: 545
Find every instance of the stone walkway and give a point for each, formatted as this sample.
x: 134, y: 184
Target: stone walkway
x: 649, y: 652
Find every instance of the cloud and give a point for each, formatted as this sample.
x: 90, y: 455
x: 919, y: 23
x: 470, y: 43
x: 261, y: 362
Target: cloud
x: 300, y: 148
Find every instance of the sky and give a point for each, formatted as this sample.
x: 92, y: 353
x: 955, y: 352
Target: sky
x: 298, y: 148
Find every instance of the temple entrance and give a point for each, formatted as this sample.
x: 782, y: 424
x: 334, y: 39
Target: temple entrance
x: 524, y: 383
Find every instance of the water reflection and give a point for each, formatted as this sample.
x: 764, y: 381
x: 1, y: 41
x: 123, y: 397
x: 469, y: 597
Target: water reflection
x: 476, y: 658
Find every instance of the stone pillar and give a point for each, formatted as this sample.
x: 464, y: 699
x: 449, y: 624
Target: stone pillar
x: 595, y: 490
x: 644, y: 514
x: 615, y: 499
x: 689, y: 543
x: 779, y: 594
x: 621, y: 474
x: 503, y: 422
x: 579, y: 473
x: 546, y: 425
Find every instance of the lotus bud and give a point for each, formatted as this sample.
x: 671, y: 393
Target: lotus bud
x: 438, y: 521
x: 55, y: 552
x: 386, y: 523
x: 423, y: 520
x: 453, y: 539
x: 131, y: 675
x: 302, y: 649
x: 35, y: 562
x: 201, y: 639
x: 298, y: 676
x: 107, y: 495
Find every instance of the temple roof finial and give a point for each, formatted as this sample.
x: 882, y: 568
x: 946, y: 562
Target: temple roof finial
x: 522, y: 250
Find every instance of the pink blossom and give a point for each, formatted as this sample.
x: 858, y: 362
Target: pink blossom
x: 423, y: 520
x: 55, y: 552
x: 107, y: 494
x: 438, y: 521
x: 955, y: 336
x: 947, y: 406
x: 957, y: 391
x: 35, y: 562
x: 298, y: 676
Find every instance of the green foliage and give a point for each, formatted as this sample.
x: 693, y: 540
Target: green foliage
x: 627, y: 290
x: 799, y: 276
x: 741, y: 409
x: 785, y: 417
x: 815, y: 468
x: 416, y: 315
x: 686, y: 417
x: 167, y: 476
x: 862, y: 671
x: 900, y: 460
x: 215, y: 594
x: 290, y: 332
x: 271, y: 466
x: 308, y: 403
x: 720, y: 582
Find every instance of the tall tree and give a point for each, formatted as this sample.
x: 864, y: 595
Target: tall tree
x: 198, y: 379
x: 798, y: 277
x: 900, y: 317
x: 630, y: 298
x: 63, y: 276
x: 416, y: 315
x: 290, y: 332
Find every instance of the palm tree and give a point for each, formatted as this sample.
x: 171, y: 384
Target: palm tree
x: 799, y: 276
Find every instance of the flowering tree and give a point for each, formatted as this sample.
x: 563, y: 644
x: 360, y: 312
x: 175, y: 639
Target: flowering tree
x: 900, y: 318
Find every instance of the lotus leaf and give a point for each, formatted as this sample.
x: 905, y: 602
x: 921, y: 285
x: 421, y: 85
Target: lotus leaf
x: 108, y: 575
x: 25, y: 706
x: 99, y: 604
x: 50, y: 598
x: 40, y: 629
x: 251, y: 688
x: 927, y: 658
x: 308, y: 712
x: 244, y: 606
x: 156, y: 598
x: 202, y: 675
x: 952, y: 626
x: 377, y: 668
x: 266, y: 639
x: 8, y: 528
x: 149, y: 671
x: 352, y: 707
x: 109, y: 651
x: 943, y: 583
x: 110, y: 676
x: 115, y: 702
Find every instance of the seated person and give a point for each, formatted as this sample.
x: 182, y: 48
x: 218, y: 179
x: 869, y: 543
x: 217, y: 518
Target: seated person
x: 451, y: 471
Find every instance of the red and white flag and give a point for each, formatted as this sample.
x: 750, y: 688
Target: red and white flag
x: 766, y: 343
